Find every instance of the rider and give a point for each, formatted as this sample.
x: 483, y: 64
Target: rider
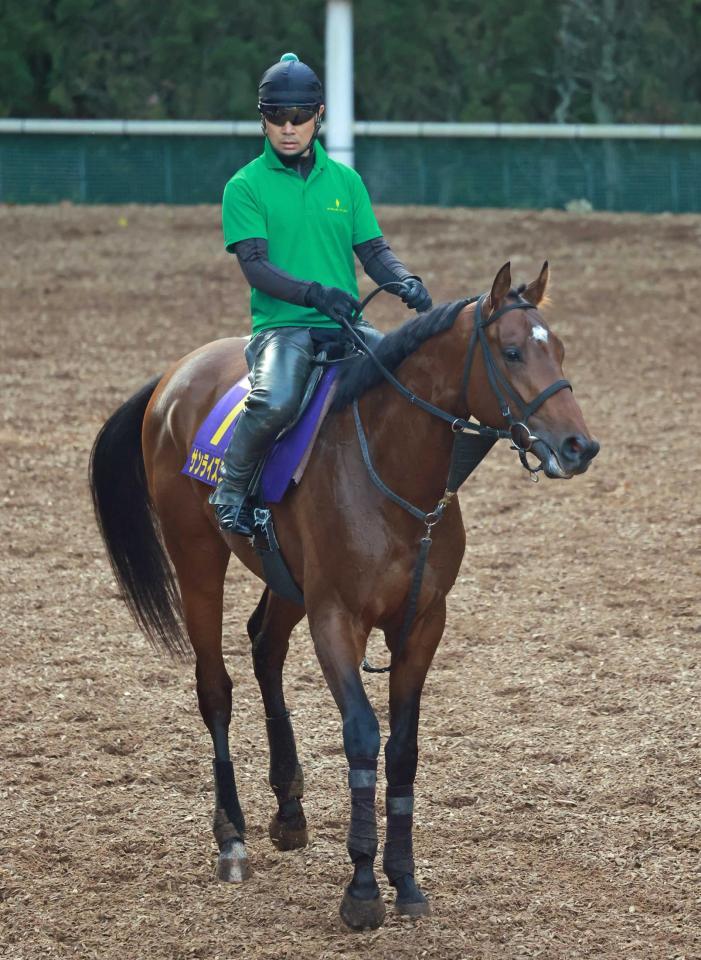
x: 293, y: 212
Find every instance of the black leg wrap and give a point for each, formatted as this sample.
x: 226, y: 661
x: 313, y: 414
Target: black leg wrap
x: 228, y: 823
x: 362, y: 832
x: 398, y: 858
x: 286, y: 778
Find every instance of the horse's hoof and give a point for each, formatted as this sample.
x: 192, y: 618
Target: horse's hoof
x: 362, y: 914
x: 288, y: 835
x: 416, y: 908
x: 233, y: 865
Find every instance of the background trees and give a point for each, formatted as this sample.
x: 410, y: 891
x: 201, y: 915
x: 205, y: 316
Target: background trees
x: 545, y: 60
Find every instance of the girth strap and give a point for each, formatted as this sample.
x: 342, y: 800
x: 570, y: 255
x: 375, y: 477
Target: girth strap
x: 266, y: 545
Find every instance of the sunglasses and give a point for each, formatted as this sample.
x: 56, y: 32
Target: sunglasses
x: 279, y: 116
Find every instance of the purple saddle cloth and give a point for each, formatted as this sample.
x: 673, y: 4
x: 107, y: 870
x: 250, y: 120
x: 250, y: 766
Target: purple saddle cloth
x: 287, y: 459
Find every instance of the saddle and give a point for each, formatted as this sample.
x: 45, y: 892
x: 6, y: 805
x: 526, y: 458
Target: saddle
x: 321, y: 380
x: 285, y: 463
x: 289, y: 455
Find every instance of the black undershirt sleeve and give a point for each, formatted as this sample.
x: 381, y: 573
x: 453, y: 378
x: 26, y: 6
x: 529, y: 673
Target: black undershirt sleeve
x: 379, y: 262
x: 376, y: 256
x: 264, y: 276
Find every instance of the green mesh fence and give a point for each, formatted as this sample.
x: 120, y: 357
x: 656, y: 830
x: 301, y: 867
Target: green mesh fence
x: 114, y: 169
x: 646, y: 175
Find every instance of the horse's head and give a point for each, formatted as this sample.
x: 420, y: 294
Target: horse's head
x: 517, y: 377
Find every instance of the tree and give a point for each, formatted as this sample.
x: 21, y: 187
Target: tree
x: 627, y: 60
x: 462, y: 60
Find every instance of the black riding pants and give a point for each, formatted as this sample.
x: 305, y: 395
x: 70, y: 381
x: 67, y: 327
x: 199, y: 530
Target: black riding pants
x: 280, y: 361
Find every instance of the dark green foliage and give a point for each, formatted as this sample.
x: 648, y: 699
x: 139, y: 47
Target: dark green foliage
x: 460, y: 60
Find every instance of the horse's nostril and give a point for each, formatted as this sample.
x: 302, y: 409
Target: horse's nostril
x: 577, y: 449
x: 572, y: 448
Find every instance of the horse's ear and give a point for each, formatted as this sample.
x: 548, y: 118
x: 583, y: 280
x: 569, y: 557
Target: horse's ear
x: 535, y: 291
x: 500, y: 287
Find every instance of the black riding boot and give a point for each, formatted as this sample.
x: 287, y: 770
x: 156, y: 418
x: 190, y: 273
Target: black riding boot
x: 280, y: 362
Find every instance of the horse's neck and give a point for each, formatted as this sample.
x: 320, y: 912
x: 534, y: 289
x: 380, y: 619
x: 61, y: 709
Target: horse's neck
x: 411, y: 448
x: 435, y: 370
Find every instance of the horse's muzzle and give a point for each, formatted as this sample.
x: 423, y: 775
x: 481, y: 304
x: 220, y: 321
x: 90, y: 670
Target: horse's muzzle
x: 576, y: 453
x: 571, y: 457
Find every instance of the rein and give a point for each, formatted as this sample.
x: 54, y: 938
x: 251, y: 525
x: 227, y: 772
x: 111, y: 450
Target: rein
x: 472, y: 440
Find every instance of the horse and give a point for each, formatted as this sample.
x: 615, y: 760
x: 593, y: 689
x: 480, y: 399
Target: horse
x: 351, y: 548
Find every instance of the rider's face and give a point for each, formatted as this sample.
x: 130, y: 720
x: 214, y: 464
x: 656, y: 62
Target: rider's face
x: 289, y: 139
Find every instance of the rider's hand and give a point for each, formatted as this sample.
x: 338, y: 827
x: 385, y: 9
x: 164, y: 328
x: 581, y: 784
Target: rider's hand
x: 333, y: 302
x: 415, y: 295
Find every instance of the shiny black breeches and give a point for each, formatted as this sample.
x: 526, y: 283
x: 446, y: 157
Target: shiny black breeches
x: 280, y: 361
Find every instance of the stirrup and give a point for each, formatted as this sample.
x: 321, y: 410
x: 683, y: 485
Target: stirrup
x: 235, y: 517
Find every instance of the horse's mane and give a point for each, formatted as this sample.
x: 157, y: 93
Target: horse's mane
x: 359, y: 375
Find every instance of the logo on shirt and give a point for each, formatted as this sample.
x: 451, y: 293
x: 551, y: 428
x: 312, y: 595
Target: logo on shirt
x: 338, y: 208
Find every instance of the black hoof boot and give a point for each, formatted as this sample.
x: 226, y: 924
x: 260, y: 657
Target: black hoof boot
x: 410, y: 900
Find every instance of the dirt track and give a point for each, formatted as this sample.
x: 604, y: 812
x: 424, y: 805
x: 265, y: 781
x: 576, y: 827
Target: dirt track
x: 558, y: 790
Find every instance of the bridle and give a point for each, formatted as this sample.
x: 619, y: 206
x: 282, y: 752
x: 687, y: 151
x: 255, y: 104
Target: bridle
x: 471, y: 442
x: 521, y: 437
x: 522, y: 440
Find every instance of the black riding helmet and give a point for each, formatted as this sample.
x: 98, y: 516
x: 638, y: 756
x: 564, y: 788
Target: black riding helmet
x: 292, y: 90
x: 289, y: 83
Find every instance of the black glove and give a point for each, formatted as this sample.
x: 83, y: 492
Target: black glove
x: 332, y: 302
x: 415, y: 295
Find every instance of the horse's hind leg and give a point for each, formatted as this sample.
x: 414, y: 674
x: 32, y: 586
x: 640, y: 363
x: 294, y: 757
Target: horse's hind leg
x: 269, y: 629
x: 201, y: 557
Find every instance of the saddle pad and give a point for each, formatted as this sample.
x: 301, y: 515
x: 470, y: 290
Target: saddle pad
x: 286, y: 461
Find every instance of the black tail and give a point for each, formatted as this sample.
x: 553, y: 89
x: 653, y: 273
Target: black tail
x: 125, y: 517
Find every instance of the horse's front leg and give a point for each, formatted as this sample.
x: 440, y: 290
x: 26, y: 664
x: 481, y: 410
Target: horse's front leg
x: 409, y: 669
x: 339, y: 644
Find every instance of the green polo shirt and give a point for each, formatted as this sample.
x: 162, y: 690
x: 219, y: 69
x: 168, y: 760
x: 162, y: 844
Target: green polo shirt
x: 311, y: 227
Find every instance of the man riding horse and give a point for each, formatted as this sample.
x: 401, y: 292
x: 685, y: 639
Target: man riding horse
x: 294, y: 212
x: 356, y: 532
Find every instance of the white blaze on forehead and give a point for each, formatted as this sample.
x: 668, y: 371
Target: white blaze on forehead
x: 539, y: 333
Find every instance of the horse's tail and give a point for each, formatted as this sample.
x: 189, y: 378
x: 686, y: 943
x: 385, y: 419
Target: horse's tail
x: 126, y: 519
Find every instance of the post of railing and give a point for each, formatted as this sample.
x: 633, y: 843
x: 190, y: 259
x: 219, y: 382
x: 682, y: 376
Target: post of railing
x: 339, y: 81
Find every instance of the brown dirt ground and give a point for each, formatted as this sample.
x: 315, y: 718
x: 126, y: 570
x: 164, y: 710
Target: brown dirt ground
x: 558, y: 789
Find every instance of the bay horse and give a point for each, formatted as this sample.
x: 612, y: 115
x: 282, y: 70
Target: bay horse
x: 351, y: 549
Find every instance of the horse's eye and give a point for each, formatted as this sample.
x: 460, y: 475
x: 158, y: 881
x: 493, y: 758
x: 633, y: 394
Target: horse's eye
x: 512, y: 354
